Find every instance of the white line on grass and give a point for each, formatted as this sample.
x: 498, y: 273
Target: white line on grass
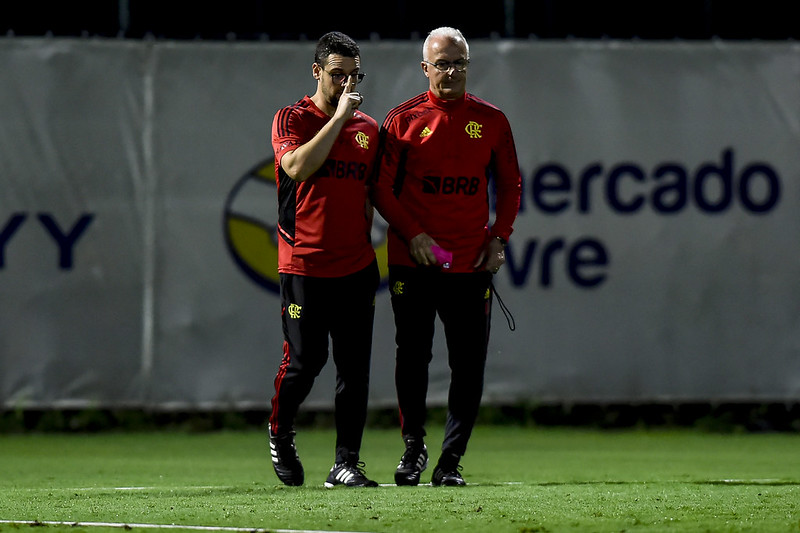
x: 748, y: 481
x: 100, y: 489
x: 470, y: 484
x: 228, y: 487
x: 128, y: 525
x: 192, y: 487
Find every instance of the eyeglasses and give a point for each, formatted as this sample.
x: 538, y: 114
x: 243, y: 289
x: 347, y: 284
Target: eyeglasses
x: 459, y: 65
x: 339, y: 77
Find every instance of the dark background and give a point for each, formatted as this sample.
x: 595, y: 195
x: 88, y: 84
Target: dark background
x: 402, y: 19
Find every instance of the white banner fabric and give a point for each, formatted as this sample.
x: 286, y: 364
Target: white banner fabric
x: 655, y: 257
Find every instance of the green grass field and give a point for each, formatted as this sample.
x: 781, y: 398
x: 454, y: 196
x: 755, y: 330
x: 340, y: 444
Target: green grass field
x: 520, y: 480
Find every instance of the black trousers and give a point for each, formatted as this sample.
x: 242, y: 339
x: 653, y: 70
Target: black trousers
x: 312, y: 310
x: 463, y: 302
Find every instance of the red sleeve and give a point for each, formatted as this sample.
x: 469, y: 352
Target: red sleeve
x: 508, y: 181
x: 284, y: 132
x: 388, y: 166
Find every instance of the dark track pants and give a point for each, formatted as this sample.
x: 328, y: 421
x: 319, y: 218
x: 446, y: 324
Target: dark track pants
x: 312, y: 309
x: 463, y: 303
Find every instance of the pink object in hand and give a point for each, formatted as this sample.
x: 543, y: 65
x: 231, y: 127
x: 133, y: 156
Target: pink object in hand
x: 443, y: 256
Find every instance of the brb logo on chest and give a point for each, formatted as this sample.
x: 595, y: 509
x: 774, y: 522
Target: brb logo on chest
x: 333, y: 168
x: 468, y: 186
x: 451, y: 185
x: 343, y: 170
x: 250, y: 224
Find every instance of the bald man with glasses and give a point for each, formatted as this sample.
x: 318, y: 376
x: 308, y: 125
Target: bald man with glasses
x: 439, y: 152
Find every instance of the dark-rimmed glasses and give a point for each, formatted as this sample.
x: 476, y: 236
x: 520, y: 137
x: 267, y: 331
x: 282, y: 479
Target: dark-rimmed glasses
x: 340, y: 77
x: 459, y: 65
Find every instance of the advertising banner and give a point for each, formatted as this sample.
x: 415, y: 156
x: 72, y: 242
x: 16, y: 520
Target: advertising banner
x: 655, y: 257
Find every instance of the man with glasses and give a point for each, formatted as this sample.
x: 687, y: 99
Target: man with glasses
x: 324, y: 154
x: 439, y: 152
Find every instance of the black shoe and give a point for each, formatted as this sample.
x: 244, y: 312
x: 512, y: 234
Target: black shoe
x: 349, y: 473
x: 285, y: 461
x: 447, y: 472
x: 413, y: 462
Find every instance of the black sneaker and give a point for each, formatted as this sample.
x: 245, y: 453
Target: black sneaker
x: 447, y: 472
x: 413, y: 462
x: 350, y: 474
x: 285, y: 460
